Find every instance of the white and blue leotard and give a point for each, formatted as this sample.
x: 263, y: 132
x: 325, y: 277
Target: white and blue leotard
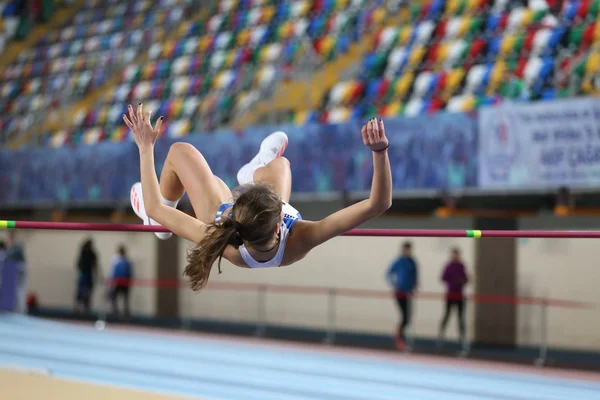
x: 290, y: 216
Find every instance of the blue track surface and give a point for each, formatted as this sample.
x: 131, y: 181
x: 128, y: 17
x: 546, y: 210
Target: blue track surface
x: 221, y: 370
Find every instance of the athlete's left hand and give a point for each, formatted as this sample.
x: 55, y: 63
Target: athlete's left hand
x: 143, y: 133
x: 373, y: 135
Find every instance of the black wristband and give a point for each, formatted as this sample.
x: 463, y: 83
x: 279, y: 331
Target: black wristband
x: 379, y: 151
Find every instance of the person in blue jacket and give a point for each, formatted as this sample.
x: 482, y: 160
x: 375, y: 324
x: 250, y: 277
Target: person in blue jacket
x: 122, y: 273
x: 403, y: 278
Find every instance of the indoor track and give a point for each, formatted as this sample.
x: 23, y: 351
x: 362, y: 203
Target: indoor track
x: 214, y: 368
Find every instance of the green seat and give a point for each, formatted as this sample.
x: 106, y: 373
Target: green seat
x: 136, y: 76
x: 563, y: 93
x: 167, y: 89
x: 206, y: 85
x: 465, y: 52
x: 519, y: 43
x: 415, y: 10
x: 475, y: 26
x: 539, y: 15
x: 594, y: 10
x: 580, y: 68
x: 575, y: 36
x: 462, y: 6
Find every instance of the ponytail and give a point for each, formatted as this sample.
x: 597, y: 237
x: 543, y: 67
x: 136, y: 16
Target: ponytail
x: 254, y: 217
x: 202, y: 257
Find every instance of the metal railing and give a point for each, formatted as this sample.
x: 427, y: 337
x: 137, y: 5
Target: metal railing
x: 332, y: 295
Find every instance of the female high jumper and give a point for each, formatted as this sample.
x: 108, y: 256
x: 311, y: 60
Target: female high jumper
x: 254, y: 227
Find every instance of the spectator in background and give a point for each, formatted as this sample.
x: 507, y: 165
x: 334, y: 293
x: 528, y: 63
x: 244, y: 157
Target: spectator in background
x: 455, y: 277
x: 87, y: 267
x: 403, y: 277
x: 122, y: 272
x: 15, y: 253
x: 2, y: 250
x: 14, y: 250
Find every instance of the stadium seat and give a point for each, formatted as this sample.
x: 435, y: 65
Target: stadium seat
x: 453, y: 55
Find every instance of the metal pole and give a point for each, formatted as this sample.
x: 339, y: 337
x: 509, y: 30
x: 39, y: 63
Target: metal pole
x: 543, y: 334
x: 261, y: 311
x: 331, y: 316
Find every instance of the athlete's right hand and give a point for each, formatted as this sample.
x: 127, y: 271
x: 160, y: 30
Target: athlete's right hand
x: 143, y: 133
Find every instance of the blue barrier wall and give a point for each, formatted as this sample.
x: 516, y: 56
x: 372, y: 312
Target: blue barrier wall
x: 425, y: 152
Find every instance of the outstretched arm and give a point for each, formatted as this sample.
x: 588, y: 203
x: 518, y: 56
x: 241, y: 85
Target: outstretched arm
x: 174, y: 220
x: 379, y: 201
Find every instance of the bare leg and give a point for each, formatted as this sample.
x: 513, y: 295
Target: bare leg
x: 268, y: 166
x: 278, y: 174
x: 186, y: 170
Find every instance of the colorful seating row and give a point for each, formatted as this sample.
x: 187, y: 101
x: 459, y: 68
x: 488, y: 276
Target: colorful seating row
x: 458, y: 63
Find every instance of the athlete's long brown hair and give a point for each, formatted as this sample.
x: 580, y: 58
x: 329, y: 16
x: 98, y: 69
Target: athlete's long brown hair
x: 255, y: 215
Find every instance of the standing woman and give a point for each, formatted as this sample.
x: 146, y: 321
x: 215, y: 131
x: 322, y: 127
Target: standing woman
x: 455, y: 278
x: 87, y: 265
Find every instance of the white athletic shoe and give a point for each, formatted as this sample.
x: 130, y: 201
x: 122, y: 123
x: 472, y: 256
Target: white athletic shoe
x: 271, y: 148
x: 137, y: 203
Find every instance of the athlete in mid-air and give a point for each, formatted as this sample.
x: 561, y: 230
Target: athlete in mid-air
x: 254, y: 226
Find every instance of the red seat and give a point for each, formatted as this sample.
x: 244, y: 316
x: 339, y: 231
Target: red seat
x: 502, y: 22
x: 376, y: 38
x: 441, y: 83
x: 425, y: 9
x: 435, y: 105
x: 383, y: 88
x: 246, y: 56
x: 440, y: 30
x: 317, y: 7
x: 432, y: 53
x: 554, y: 4
x: 358, y: 90
x: 483, y: 4
x: 89, y: 118
x: 588, y: 35
x: 528, y: 43
x: 583, y: 10
x: 520, y: 70
x: 476, y: 48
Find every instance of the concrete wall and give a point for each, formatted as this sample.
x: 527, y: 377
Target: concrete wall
x: 52, y: 259
x: 565, y: 269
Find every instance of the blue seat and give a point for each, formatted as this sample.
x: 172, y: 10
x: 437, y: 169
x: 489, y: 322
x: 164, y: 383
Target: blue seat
x: 548, y: 94
x: 492, y: 23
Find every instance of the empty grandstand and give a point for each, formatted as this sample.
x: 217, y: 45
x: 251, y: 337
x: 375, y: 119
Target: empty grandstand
x: 242, y: 62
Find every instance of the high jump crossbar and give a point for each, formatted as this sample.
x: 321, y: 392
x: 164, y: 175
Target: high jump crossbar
x: 464, y: 233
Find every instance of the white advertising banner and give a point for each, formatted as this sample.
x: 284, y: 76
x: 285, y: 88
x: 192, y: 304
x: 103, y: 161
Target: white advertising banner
x: 540, y: 146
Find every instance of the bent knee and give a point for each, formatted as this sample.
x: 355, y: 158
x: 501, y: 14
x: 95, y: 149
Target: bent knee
x: 184, y: 150
x: 181, y: 147
x: 281, y: 162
